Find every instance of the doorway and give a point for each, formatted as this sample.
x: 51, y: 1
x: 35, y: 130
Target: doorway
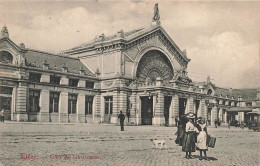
x: 182, y: 106
x: 147, y: 110
x: 108, y: 108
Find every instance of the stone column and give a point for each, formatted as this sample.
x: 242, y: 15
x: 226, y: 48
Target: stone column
x: 225, y: 117
x: 159, y: 118
x: 97, y: 108
x: 123, y: 105
x: 221, y: 114
x: 21, y: 114
x: 63, y: 112
x: 174, y: 110
x: 44, y: 106
x: 202, y: 110
x: 81, y: 108
x: 138, y: 110
x: 190, y: 105
x: 116, y: 106
x: 133, y: 108
x: 214, y: 114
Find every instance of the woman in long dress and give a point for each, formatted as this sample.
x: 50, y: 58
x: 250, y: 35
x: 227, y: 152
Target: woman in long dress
x: 181, y: 130
x: 189, y: 140
x: 202, y: 139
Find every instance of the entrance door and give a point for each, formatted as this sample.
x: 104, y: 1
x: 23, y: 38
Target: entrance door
x: 182, y: 106
x: 147, y: 110
x: 108, y: 109
x: 167, y: 104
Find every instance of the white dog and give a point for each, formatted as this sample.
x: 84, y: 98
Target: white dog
x: 159, y: 142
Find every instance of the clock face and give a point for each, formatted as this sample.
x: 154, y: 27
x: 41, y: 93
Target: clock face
x: 152, y: 65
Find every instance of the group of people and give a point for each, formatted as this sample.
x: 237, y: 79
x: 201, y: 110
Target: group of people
x: 192, y: 135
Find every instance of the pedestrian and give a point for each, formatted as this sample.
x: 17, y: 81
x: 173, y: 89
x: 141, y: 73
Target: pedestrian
x: 228, y: 124
x: 2, y: 113
x: 202, y: 138
x: 242, y: 125
x: 121, y: 116
x: 216, y: 123
x: 189, y: 139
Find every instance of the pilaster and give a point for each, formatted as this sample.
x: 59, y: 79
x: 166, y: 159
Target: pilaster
x: 133, y: 108
x: 21, y: 114
x: 214, y: 114
x: 81, y: 108
x: 97, y: 108
x: 63, y: 112
x: 190, y: 105
x: 44, y: 106
x: 202, y: 112
x: 159, y: 118
x: 174, y: 110
x: 116, y: 106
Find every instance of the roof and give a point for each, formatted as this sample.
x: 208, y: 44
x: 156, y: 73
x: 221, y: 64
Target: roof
x: 224, y: 92
x: 246, y: 94
x: 35, y: 58
x: 125, y: 37
x: 104, y: 39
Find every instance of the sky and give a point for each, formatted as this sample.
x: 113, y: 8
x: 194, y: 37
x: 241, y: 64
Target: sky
x: 220, y: 37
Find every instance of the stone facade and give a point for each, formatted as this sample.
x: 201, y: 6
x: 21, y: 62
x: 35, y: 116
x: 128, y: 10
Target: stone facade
x: 142, y: 73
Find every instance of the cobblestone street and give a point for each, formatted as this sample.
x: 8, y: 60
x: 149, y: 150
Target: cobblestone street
x: 88, y: 144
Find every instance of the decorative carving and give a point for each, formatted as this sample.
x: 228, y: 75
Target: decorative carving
x: 181, y: 75
x: 152, y: 65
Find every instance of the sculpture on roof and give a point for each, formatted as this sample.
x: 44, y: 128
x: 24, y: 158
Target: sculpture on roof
x: 156, y: 16
x: 4, y: 32
x: 181, y: 75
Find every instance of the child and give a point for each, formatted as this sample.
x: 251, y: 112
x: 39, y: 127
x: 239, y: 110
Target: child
x: 202, y: 139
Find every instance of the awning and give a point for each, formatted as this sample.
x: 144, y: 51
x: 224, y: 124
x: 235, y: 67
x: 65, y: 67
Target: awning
x: 240, y: 109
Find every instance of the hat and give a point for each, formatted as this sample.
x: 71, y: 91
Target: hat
x: 190, y: 115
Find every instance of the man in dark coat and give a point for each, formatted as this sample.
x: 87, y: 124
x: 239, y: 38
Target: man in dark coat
x: 121, y: 116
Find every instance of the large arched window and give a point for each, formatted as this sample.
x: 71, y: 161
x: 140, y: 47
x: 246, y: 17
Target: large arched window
x: 152, y: 65
x: 6, y: 57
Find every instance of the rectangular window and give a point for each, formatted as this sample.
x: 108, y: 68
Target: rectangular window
x: 90, y: 84
x: 72, y: 107
x: 54, y: 80
x: 88, y: 104
x: 73, y: 82
x: 109, y: 105
x: 54, y: 102
x: 34, y: 98
x: 34, y: 77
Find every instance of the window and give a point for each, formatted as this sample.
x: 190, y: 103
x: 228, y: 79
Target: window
x: 209, y: 92
x: 89, y: 84
x: 54, y: 102
x: 34, y: 98
x: 34, y: 77
x: 88, y: 104
x: 109, y: 105
x: 72, y: 107
x: 73, y: 82
x: 6, y: 57
x: 54, y: 80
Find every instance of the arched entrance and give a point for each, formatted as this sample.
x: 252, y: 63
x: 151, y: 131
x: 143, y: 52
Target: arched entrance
x: 153, y: 64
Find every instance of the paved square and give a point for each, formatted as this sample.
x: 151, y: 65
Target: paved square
x: 88, y: 144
